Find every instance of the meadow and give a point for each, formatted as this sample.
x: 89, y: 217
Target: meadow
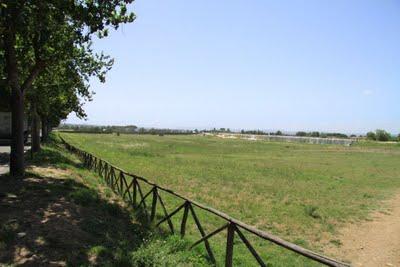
x: 303, y: 193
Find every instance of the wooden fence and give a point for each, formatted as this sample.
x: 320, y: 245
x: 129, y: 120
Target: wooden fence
x: 131, y: 191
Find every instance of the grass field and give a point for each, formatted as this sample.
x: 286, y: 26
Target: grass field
x: 304, y: 193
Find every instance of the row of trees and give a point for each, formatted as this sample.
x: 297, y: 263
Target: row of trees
x: 382, y: 135
x: 84, y: 128
x: 46, y: 61
x: 128, y: 129
x: 323, y: 135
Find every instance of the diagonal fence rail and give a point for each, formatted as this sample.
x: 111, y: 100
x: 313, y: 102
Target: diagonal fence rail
x: 132, y: 192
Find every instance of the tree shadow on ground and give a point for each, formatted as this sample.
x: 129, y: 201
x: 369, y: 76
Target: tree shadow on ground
x: 46, y: 220
x: 51, y: 218
x: 50, y: 156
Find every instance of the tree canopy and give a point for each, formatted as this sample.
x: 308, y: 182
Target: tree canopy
x: 46, y: 58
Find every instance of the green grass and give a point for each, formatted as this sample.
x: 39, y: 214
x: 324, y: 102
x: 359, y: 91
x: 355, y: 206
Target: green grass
x: 301, y: 192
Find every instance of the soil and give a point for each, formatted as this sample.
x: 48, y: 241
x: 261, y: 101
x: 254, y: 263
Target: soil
x: 375, y: 242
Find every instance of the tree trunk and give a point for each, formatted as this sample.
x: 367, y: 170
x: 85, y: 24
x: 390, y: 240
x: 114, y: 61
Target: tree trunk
x: 17, y: 165
x: 45, y: 134
x: 35, y: 146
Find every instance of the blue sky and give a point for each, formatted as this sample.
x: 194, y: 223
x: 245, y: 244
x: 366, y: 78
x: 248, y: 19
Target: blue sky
x: 289, y: 65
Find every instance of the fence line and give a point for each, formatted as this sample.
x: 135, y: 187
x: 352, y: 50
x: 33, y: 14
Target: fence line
x: 132, y: 193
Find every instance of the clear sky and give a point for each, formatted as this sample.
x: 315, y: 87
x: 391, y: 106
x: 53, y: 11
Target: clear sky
x: 256, y: 64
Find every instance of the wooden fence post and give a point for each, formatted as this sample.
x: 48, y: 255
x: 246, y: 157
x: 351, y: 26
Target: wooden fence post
x: 134, y: 192
x: 184, y: 218
x: 229, y: 245
x: 121, y: 184
x: 154, y: 204
x: 203, y: 234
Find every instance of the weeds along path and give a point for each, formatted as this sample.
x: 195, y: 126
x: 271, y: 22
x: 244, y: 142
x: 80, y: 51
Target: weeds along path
x: 375, y: 242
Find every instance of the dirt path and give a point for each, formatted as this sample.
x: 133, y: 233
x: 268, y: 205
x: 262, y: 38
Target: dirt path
x: 373, y: 243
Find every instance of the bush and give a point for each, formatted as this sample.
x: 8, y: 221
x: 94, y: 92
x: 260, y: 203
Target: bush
x: 382, y: 135
x: 371, y: 136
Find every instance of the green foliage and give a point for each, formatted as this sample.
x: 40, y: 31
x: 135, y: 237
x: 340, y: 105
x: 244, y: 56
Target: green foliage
x: 301, y: 133
x: 379, y: 135
x: 50, y: 59
x: 371, y: 136
x: 382, y: 135
x: 336, y: 135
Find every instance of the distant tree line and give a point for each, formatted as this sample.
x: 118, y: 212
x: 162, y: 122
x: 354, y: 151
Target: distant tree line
x: 215, y: 130
x: 128, y: 129
x: 323, y: 135
x: 97, y: 128
x: 382, y: 136
x: 378, y: 135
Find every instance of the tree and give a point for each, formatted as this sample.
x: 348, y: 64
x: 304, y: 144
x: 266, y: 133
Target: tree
x: 382, y: 135
x: 301, y: 133
x: 278, y: 132
x: 36, y: 34
x: 59, y: 86
x: 314, y: 134
x: 371, y: 136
